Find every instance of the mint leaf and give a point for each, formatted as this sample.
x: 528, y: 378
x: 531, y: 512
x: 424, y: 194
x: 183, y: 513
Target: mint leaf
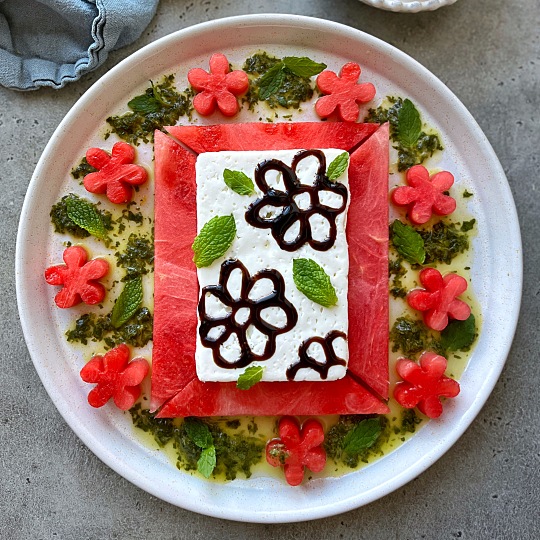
x: 207, y: 462
x: 128, y: 302
x: 303, y: 66
x: 250, y: 377
x: 85, y: 215
x: 239, y: 182
x: 338, y: 166
x: 459, y: 335
x: 144, y: 104
x: 270, y: 82
x: 198, y: 432
x: 409, y: 125
x: 311, y: 280
x: 362, y: 436
x: 408, y: 242
x: 214, y: 240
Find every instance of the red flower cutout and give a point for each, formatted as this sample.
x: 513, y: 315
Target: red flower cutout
x: 423, y: 385
x: 219, y: 87
x: 439, y: 299
x: 344, y: 93
x: 78, y: 278
x: 424, y: 195
x: 116, y: 378
x: 297, y: 448
x: 116, y: 172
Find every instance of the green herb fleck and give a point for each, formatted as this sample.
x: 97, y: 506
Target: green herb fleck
x: 250, y: 377
x: 128, y: 302
x: 214, y: 240
x: 239, y: 182
x: 314, y: 282
x: 338, y: 166
x: 408, y: 243
x: 82, y: 169
x: 467, y: 194
x: 467, y: 226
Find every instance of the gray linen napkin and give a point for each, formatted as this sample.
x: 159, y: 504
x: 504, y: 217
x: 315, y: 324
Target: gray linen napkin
x: 54, y: 42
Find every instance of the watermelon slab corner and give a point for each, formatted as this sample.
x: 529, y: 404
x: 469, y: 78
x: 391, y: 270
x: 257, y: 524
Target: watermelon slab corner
x: 176, y: 390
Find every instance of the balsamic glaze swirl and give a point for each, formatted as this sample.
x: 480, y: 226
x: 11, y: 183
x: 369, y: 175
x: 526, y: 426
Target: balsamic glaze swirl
x: 286, y: 199
x: 230, y: 323
x: 307, y: 361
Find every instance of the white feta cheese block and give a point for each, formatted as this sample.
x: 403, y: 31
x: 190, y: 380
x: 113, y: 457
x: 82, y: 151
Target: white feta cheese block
x: 257, y: 250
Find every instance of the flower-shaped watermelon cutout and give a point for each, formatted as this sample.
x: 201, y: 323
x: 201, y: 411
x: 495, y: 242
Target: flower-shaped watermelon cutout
x: 217, y: 88
x: 344, y: 93
x: 438, y: 301
x: 116, y: 173
x: 116, y: 377
x: 425, y: 195
x: 243, y: 312
x: 423, y: 385
x: 78, y: 277
x: 297, y: 448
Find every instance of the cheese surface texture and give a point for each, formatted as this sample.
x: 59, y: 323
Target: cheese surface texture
x: 257, y: 250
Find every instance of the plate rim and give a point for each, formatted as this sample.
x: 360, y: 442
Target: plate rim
x: 94, y: 443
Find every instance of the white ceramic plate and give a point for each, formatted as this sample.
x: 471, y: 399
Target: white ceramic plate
x: 497, y: 269
x: 408, y: 6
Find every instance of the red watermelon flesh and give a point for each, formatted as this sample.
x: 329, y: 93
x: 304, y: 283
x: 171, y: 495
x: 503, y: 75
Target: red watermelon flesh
x: 270, y: 136
x: 367, y: 235
x: 174, y: 374
x: 175, y: 274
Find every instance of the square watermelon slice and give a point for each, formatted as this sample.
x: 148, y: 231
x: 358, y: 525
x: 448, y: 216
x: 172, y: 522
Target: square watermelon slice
x: 176, y: 390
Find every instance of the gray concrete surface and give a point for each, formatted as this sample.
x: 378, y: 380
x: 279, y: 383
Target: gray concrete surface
x: 486, y: 486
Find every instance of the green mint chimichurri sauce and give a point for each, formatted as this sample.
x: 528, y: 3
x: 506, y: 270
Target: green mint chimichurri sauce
x: 279, y: 87
x: 63, y: 224
x: 160, y: 105
x: 425, y: 145
x: 82, y: 169
x: 138, y: 257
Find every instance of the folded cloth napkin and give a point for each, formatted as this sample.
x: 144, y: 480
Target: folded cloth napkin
x: 53, y: 42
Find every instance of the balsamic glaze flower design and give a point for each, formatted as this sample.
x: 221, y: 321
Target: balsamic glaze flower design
x: 291, y: 213
x: 233, y: 325
x: 307, y: 361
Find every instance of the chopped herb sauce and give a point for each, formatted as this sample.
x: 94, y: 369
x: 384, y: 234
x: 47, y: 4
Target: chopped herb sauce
x: 138, y: 256
x: 160, y: 105
x: 137, y: 331
x: 63, y: 224
x: 410, y: 336
x: 336, y: 436
x: 443, y: 242
x: 396, y: 269
x: 285, y: 90
x: 82, y: 169
x: 426, y: 143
